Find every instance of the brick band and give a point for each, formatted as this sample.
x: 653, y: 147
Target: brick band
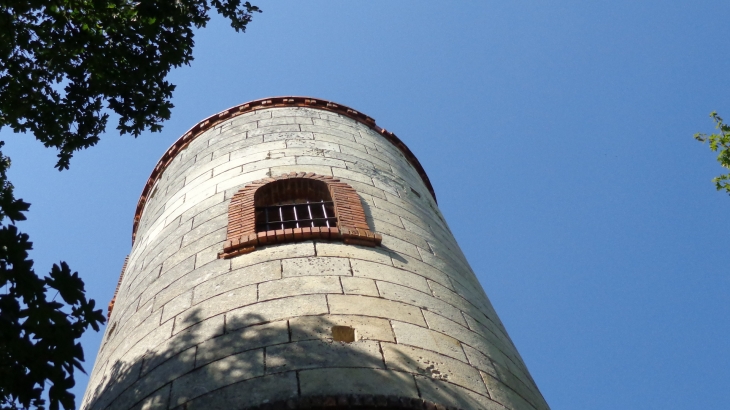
x: 352, y: 227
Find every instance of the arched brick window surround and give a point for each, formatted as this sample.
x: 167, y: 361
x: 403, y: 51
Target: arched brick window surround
x: 352, y: 227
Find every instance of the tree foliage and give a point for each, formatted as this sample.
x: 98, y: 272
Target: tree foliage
x: 65, y: 67
x: 38, y: 336
x: 719, y: 141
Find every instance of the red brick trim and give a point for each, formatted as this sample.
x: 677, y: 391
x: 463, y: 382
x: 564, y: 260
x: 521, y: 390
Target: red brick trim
x: 266, y: 103
x: 352, y: 227
x: 114, y: 298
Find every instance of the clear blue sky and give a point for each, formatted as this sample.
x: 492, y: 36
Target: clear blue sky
x: 558, y: 137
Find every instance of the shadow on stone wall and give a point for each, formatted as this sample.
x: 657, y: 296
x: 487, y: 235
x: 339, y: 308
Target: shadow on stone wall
x: 252, y: 362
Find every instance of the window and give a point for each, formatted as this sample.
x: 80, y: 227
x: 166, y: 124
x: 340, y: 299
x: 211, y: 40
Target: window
x: 294, y: 203
x: 295, y: 207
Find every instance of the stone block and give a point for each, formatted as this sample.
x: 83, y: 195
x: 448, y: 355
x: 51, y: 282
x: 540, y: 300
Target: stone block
x: 449, y: 394
x: 379, y: 215
x: 206, y: 210
x: 320, y: 327
x: 294, y: 111
x: 245, y: 149
x: 248, y: 393
x: 375, y: 307
x: 320, y: 161
x: 175, y: 285
x: 155, y: 401
x: 526, y: 389
x: 273, y: 129
x: 206, y: 256
x: 343, y: 124
x: 189, y: 337
x: 216, y: 305
x: 433, y: 365
x: 387, y: 273
x: 486, y: 326
x: 274, y: 252
x: 311, y: 354
x: 353, y: 251
x: 242, y: 180
x: 486, y: 344
x: 240, y: 161
x: 285, y: 169
x: 217, y: 374
x: 456, y: 300
x: 503, y: 394
x: 206, y: 228
x: 359, y: 286
x: 480, y: 361
x: 400, y: 233
x: 241, y: 340
x: 288, y: 136
x: 177, y: 305
x: 331, y: 135
x: 315, y: 266
x: 416, y: 266
x: 359, y: 151
x: 247, y: 275
x: 351, y: 175
x: 313, y: 144
x: 424, y: 338
x: 364, y: 189
x: 356, y: 381
x: 285, y: 121
x: 160, y: 376
x: 415, y: 298
x: 276, y: 309
x: 217, y: 237
x: 302, y: 285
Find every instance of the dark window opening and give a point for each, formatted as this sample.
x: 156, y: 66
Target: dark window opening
x: 301, y: 215
x: 294, y: 203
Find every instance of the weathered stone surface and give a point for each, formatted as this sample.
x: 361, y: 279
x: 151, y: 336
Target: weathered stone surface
x: 376, y: 307
x: 217, y: 374
x: 312, y: 354
x: 389, y: 274
x: 359, y: 286
x: 240, y: 340
x: 315, y: 266
x: 276, y: 309
x: 449, y: 394
x: 356, y: 381
x: 215, y: 306
x: 353, y: 251
x: 423, y: 338
x: 320, y: 327
x: 248, y: 393
x: 433, y: 365
x: 424, y: 300
x: 247, y: 275
x: 299, y: 286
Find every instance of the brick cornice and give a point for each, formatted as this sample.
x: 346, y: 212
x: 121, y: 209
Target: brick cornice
x: 352, y: 401
x: 266, y: 103
x: 352, y: 227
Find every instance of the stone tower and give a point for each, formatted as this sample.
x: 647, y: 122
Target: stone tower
x: 288, y: 253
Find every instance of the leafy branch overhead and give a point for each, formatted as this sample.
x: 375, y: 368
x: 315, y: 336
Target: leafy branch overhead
x: 719, y: 142
x: 63, y: 62
x: 65, y: 67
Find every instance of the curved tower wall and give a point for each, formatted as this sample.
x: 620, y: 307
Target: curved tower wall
x: 192, y: 330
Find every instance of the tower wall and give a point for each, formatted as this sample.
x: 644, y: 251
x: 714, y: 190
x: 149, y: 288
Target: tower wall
x: 192, y: 330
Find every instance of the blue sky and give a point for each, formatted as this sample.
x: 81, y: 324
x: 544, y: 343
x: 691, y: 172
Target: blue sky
x: 557, y: 135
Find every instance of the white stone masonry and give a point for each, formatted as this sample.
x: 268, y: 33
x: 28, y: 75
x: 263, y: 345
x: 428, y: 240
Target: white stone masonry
x: 190, y: 330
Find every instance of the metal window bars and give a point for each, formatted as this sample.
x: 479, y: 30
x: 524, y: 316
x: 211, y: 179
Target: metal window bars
x: 296, y: 215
